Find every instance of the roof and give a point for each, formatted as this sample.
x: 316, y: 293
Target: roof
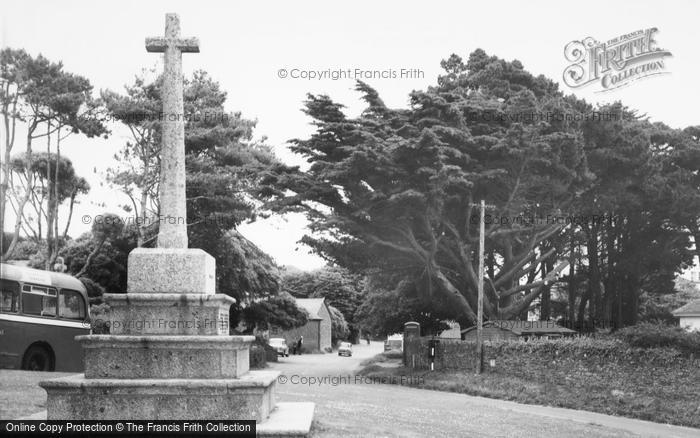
x: 37, y: 276
x: 690, y: 309
x: 312, y: 306
x: 525, y: 327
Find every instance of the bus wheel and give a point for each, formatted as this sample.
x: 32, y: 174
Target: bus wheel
x: 37, y: 358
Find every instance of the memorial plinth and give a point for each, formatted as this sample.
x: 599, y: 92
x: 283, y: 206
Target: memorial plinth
x: 168, y: 357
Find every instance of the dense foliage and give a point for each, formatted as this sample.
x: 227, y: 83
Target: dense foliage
x: 278, y: 311
x: 655, y: 335
x: 391, y: 194
x: 339, y: 327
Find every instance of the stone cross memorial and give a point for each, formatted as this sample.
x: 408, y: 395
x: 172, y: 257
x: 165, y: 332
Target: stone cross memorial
x: 169, y: 355
x: 173, y: 229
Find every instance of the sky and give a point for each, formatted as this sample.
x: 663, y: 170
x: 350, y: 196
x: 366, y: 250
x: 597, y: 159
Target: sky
x: 246, y: 45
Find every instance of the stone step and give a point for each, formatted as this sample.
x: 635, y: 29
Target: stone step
x: 252, y: 397
x: 288, y: 420
x: 166, y: 357
x: 167, y: 314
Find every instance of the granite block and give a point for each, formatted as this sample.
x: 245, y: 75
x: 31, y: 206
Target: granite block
x: 165, y: 357
x: 171, y: 270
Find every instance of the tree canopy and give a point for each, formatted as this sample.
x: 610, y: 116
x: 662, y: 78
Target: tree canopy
x: 391, y: 192
x: 52, y: 104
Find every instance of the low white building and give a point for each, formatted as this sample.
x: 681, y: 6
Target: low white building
x: 692, y: 274
x: 454, y: 332
x: 689, y: 315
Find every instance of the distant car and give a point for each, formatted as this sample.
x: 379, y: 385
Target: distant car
x: 280, y: 345
x: 345, y: 349
x: 394, y: 342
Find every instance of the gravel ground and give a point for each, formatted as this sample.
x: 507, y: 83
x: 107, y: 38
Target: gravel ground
x: 20, y: 394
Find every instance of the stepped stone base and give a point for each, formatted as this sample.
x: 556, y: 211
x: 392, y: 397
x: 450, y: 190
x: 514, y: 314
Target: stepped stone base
x: 165, y: 357
x: 168, y: 314
x: 171, y: 270
x: 250, y: 397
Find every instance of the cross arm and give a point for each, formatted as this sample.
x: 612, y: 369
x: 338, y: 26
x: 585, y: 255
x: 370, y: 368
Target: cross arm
x: 156, y: 44
x: 186, y: 45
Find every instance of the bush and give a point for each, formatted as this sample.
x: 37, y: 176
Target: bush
x: 279, y: 311
x: 651, y: 335
x: 257, y: 356
x: 108, y: 268
x: 37, y: 260
x: 270, y: 353
x: 261, y: 353
x: 25, y: 249
x: 94, y: 290
x: 98, y: 318
x: 339, y: 327
x: 393, y: 354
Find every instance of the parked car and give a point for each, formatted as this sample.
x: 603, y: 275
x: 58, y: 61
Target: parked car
x: 345, y: 349
x: 280, y: 345
x: 394, y: 342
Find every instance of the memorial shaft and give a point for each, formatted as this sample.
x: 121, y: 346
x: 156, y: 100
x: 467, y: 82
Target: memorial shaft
x: 172, y: 193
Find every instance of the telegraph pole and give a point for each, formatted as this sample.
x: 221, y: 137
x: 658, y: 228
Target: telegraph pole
x: 480, y: 299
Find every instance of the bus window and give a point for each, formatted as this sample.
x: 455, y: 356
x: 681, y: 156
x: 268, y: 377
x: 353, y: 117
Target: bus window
x: 38, y: 300
x: 71, y: 305
x: 9, y: 296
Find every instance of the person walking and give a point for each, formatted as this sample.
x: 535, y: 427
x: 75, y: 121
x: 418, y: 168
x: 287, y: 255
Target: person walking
x: 300, y: 343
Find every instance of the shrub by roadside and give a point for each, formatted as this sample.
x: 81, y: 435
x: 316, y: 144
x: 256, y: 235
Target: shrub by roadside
x: 386, y: 356
x: 650, y: 335
x: 261, y: 353
x: 256, y: 357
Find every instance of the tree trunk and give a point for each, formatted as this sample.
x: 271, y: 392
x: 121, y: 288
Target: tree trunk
x: 595, y: 301
x: 546, y: 297
x: 88, y: 261
x: 572, y: 279
x: 54, y: 252
x: 611, y: 273
x: 70, y: 213
x: 141, y: 226
x: 25, y: 199
x: 49, y: 208
x: 454, y: 295
x: 9, y: 143
x: 581, y: 318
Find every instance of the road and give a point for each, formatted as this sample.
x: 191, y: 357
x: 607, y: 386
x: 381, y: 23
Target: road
x: 351, y: 407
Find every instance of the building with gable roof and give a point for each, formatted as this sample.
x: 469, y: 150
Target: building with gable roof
x: 316, y: 332
x: 689, y: 315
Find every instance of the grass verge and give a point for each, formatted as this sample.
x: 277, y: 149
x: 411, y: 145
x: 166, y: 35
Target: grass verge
x: 677, y: 403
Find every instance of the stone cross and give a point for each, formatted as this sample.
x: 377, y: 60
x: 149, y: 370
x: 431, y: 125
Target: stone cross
x: 173, y: 211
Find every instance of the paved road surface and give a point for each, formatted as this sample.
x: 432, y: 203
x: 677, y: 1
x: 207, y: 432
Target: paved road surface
x: 357, y: 408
